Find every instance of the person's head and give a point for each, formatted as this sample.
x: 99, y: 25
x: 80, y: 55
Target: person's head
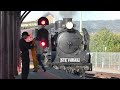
x: 25, y: 35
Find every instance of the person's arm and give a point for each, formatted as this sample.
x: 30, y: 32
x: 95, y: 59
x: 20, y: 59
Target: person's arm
x: 31, y: 45
x: 28, y: 45
x: 30, y: 42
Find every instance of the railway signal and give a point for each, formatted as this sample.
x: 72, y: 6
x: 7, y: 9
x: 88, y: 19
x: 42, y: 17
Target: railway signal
x: 43, y: 37
x: 43, y: 21
x: 42, y: 33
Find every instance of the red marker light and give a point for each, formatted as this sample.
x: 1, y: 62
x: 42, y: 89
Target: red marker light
x: 43, y: 44
x: 43, y: 22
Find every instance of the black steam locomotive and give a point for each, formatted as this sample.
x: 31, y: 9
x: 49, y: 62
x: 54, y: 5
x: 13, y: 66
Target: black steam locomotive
x: 70, y: 49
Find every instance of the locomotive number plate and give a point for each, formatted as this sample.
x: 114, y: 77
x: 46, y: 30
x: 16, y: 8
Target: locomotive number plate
x: 70, y: 60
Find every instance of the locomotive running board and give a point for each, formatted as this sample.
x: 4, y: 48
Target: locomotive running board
x: 74, y: 64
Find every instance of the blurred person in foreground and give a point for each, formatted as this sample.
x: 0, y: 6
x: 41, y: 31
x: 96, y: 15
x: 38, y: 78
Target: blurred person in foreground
x: 24, y: 48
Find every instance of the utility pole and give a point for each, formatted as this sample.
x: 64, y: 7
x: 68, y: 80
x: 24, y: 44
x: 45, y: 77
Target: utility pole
x: 81, y: 22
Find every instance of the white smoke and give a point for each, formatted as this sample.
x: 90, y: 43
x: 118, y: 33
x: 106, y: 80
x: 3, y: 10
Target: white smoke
x: 67, y: 14
x: 59, y: 15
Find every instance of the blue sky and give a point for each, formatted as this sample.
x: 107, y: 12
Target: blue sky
x: 86, y: 15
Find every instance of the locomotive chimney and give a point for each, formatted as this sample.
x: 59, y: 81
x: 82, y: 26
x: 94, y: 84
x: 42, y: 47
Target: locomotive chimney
x: 65, y: 20
x: 58, y: 24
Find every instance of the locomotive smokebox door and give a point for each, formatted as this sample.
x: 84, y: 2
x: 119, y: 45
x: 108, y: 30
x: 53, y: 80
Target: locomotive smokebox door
x: 68, y: 42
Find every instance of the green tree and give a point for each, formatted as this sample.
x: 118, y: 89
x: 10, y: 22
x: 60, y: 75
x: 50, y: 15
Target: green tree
x: 104, y: 40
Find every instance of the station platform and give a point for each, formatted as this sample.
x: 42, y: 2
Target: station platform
x: 50, y: 73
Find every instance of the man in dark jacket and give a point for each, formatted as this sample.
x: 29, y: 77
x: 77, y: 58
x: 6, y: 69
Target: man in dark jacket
x: 24, y: 48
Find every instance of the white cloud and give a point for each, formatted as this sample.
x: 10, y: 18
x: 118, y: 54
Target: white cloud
x: 101, y: 15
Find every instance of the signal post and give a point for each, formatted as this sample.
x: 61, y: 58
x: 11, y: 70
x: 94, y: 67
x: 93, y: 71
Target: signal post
x: 43, y: 34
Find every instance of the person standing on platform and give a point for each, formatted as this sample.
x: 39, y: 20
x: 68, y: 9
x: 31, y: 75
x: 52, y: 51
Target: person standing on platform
x: 39, y: 50
x: 24, y: 48
x: 34, y: 56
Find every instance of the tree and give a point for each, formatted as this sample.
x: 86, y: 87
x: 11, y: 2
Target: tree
x: 104, y: 40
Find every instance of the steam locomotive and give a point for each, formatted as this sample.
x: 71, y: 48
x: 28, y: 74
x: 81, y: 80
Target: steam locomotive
x: 70, y: 49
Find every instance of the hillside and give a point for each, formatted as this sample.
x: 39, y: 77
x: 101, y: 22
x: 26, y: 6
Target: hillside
x: 94, y: 26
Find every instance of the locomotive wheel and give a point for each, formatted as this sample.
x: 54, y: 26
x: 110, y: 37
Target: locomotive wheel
x: 55, y: 66
x: 82, y: 72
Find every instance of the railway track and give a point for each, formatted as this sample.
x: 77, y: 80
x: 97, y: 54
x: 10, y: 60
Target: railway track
x: 101, y: 75
x: 90, y: 75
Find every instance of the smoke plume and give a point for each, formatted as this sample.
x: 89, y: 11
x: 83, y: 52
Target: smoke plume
x: 67, y: 14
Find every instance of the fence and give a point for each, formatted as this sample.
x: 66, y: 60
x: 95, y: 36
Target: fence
x: 106, y: 60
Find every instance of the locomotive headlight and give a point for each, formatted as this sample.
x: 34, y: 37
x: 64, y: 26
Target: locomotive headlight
x: 69, y: 25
